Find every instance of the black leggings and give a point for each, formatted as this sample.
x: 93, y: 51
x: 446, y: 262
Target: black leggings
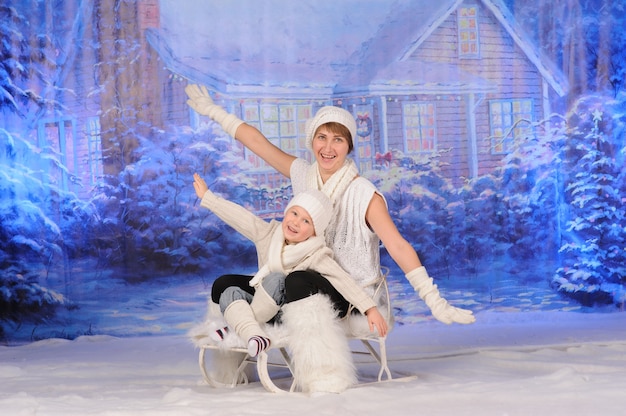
x: 298, y: 285
x: 227, y: 280
x: 304, y: 283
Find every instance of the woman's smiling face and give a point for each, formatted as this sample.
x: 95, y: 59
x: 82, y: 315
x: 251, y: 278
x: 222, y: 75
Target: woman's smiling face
x: 330, y: 150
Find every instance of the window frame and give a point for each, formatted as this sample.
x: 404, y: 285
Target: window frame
x: 468, y: 33
x: 93, y: 133
x: 59, y: 140
x: 284, y: 124
x: 506, y: 127
x: 419, y: 127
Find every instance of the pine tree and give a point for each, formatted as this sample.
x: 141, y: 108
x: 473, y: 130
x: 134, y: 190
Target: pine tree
x: 24, y: 55
x: 594, y: 260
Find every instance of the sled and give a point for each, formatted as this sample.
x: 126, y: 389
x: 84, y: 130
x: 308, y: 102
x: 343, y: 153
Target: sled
x: 277, y: 357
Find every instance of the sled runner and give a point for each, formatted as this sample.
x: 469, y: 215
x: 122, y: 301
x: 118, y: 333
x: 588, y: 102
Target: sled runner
x: 357, y: 331
x: 278, y: 357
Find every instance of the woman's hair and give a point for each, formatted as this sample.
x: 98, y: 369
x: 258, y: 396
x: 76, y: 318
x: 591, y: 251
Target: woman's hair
x: 340, y: 129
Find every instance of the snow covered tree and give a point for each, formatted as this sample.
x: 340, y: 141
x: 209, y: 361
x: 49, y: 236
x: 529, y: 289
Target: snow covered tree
x: 25, y: 56
x: 42, y: 226
x: 594, y: 240
x: 156, y: 226
x: 40, y: 230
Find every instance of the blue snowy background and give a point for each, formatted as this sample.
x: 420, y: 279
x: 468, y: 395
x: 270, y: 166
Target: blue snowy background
x: 100, y: 229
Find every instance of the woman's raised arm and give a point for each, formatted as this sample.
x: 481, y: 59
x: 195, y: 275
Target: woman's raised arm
x: 249, y: 136
x: 258, y: 144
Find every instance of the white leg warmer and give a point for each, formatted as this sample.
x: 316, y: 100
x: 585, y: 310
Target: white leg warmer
x: 321, y: 355
x: 263, y: 305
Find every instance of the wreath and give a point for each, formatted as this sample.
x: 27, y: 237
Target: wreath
x: 363, y: 125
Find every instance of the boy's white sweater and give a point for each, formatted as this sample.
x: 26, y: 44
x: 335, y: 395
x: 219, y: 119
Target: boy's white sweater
x: 260, y: 233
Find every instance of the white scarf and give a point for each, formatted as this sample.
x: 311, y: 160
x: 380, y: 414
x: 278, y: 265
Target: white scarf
x: 336, y: 185
x: 283, y: 257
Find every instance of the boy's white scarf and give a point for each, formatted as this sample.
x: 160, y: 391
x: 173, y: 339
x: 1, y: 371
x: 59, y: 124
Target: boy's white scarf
x: 284, y: 257
x: 336, y: 185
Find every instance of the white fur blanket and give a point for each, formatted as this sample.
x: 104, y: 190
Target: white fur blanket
x: 355, y: 326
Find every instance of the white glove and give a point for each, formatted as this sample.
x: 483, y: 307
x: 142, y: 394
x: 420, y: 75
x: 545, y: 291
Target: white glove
x: 439, y: 307
x: 201, y: 102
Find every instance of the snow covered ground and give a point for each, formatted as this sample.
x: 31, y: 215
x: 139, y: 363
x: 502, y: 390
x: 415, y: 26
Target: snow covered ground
x: 520, y: 363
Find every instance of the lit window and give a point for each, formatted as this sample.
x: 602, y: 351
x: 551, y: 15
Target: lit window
x: 509, y: 120
x: 282, y: 124
x: 468, y: 32
x: 420, y: 127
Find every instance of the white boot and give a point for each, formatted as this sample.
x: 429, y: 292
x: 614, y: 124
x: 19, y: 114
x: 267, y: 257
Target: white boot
x: 321, y: 356
x: 241, y: 319
x: 202, y: 333
x: 224, y: 363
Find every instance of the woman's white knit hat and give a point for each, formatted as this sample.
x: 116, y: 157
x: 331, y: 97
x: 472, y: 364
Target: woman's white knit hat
x: 318, y: 205
x: 326, y: 115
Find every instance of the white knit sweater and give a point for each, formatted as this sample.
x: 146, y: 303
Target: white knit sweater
x: 260, y: 233
x: 356, y: 246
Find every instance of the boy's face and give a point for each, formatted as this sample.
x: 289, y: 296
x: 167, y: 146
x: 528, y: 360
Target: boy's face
x: 297, y: 225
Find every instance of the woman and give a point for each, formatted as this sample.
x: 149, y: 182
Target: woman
x: 360, y: 223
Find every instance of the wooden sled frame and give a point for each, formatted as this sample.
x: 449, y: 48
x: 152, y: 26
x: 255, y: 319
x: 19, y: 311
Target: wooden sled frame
x: 262, y: 361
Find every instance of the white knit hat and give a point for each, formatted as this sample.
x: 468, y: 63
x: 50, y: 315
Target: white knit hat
x: 326, y: 115
x: 318, y: 205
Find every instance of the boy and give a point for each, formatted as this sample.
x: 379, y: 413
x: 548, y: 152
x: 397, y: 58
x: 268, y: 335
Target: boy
x: 296, y: 243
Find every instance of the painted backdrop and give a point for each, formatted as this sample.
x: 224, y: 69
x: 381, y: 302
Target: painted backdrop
x: 495, y: 130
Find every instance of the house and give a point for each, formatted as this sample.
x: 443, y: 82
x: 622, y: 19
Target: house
x: 453, y: 75
x: 419, y: 76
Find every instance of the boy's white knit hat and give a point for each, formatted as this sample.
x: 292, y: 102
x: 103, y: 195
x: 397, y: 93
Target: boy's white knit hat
x: 318, y: 205
x: 326, y: 115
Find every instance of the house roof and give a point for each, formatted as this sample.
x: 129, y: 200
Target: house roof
x: 546, y: 67
x: 316, y: 49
